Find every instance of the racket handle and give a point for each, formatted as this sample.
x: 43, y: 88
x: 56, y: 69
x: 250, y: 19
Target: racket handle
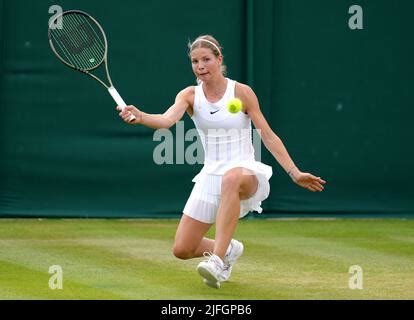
x: 120, y: 102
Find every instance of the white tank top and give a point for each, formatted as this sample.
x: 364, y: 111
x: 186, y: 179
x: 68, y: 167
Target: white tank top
x: 226, y: 137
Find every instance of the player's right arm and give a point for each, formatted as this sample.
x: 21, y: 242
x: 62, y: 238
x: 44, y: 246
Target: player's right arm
x: 183, y: 101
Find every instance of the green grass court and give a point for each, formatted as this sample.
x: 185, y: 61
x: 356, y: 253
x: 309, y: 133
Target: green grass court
x: 132, y: 259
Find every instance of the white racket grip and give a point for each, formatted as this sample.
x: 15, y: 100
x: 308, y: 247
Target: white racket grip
x: 120, y: 102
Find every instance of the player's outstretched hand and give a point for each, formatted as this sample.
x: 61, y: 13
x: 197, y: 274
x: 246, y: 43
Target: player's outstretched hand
x: 127, y: 112
x: 307, y: 180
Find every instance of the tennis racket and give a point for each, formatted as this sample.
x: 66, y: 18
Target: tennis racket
x: 79, y: 41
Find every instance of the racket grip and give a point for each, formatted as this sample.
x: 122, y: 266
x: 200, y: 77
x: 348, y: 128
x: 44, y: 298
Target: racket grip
x: 120, y: 102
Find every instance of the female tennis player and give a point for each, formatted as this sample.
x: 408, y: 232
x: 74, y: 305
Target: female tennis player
x: 231, y: 183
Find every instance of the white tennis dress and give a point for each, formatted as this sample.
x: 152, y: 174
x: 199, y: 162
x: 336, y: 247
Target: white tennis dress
x: 227, y: 143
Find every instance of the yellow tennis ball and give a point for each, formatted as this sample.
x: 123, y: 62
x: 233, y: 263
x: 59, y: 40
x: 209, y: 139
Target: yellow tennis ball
x: 234, y: 105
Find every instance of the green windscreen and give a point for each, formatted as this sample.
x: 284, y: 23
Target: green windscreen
x: 340, y: 99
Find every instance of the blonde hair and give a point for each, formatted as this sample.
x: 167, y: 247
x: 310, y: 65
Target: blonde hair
x: 209, y: 42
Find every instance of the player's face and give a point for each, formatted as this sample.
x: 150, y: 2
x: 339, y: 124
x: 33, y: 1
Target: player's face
x: 205, y: 64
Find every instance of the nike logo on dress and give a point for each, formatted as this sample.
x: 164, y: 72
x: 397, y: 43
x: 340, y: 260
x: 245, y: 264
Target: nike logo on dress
x: 213, y: 112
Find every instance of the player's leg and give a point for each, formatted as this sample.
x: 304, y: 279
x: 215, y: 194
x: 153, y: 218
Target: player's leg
x: 236, y: 185
x: 189, y: 238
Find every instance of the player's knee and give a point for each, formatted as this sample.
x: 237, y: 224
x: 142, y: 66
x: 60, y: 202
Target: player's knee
x: 231, y: 181
x: 182, y: 252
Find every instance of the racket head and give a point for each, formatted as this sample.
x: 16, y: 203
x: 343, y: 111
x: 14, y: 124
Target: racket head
x: 79, y: 41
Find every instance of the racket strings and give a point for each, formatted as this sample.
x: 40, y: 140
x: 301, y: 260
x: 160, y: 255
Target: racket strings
x: 97, y: 50
x: 80, y: 43
x: 97, y: 36
x: 88, y: 51
x: 66, y: 44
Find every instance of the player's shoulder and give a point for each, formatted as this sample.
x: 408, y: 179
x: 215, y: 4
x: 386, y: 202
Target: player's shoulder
x: 187, y: 93
x: 243, y: 90
x: 188, y: 90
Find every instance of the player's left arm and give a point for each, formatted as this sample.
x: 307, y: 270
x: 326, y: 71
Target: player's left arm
x: 273, y: 143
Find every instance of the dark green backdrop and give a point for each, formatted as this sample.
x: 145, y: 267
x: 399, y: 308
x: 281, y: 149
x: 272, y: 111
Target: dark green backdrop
x: 340, y: 99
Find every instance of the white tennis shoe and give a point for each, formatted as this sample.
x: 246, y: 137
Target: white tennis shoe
x: 211, y: 270
x: 236, y: 250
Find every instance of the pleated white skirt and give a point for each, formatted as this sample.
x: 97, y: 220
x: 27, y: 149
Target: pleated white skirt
x: 205, y: 197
